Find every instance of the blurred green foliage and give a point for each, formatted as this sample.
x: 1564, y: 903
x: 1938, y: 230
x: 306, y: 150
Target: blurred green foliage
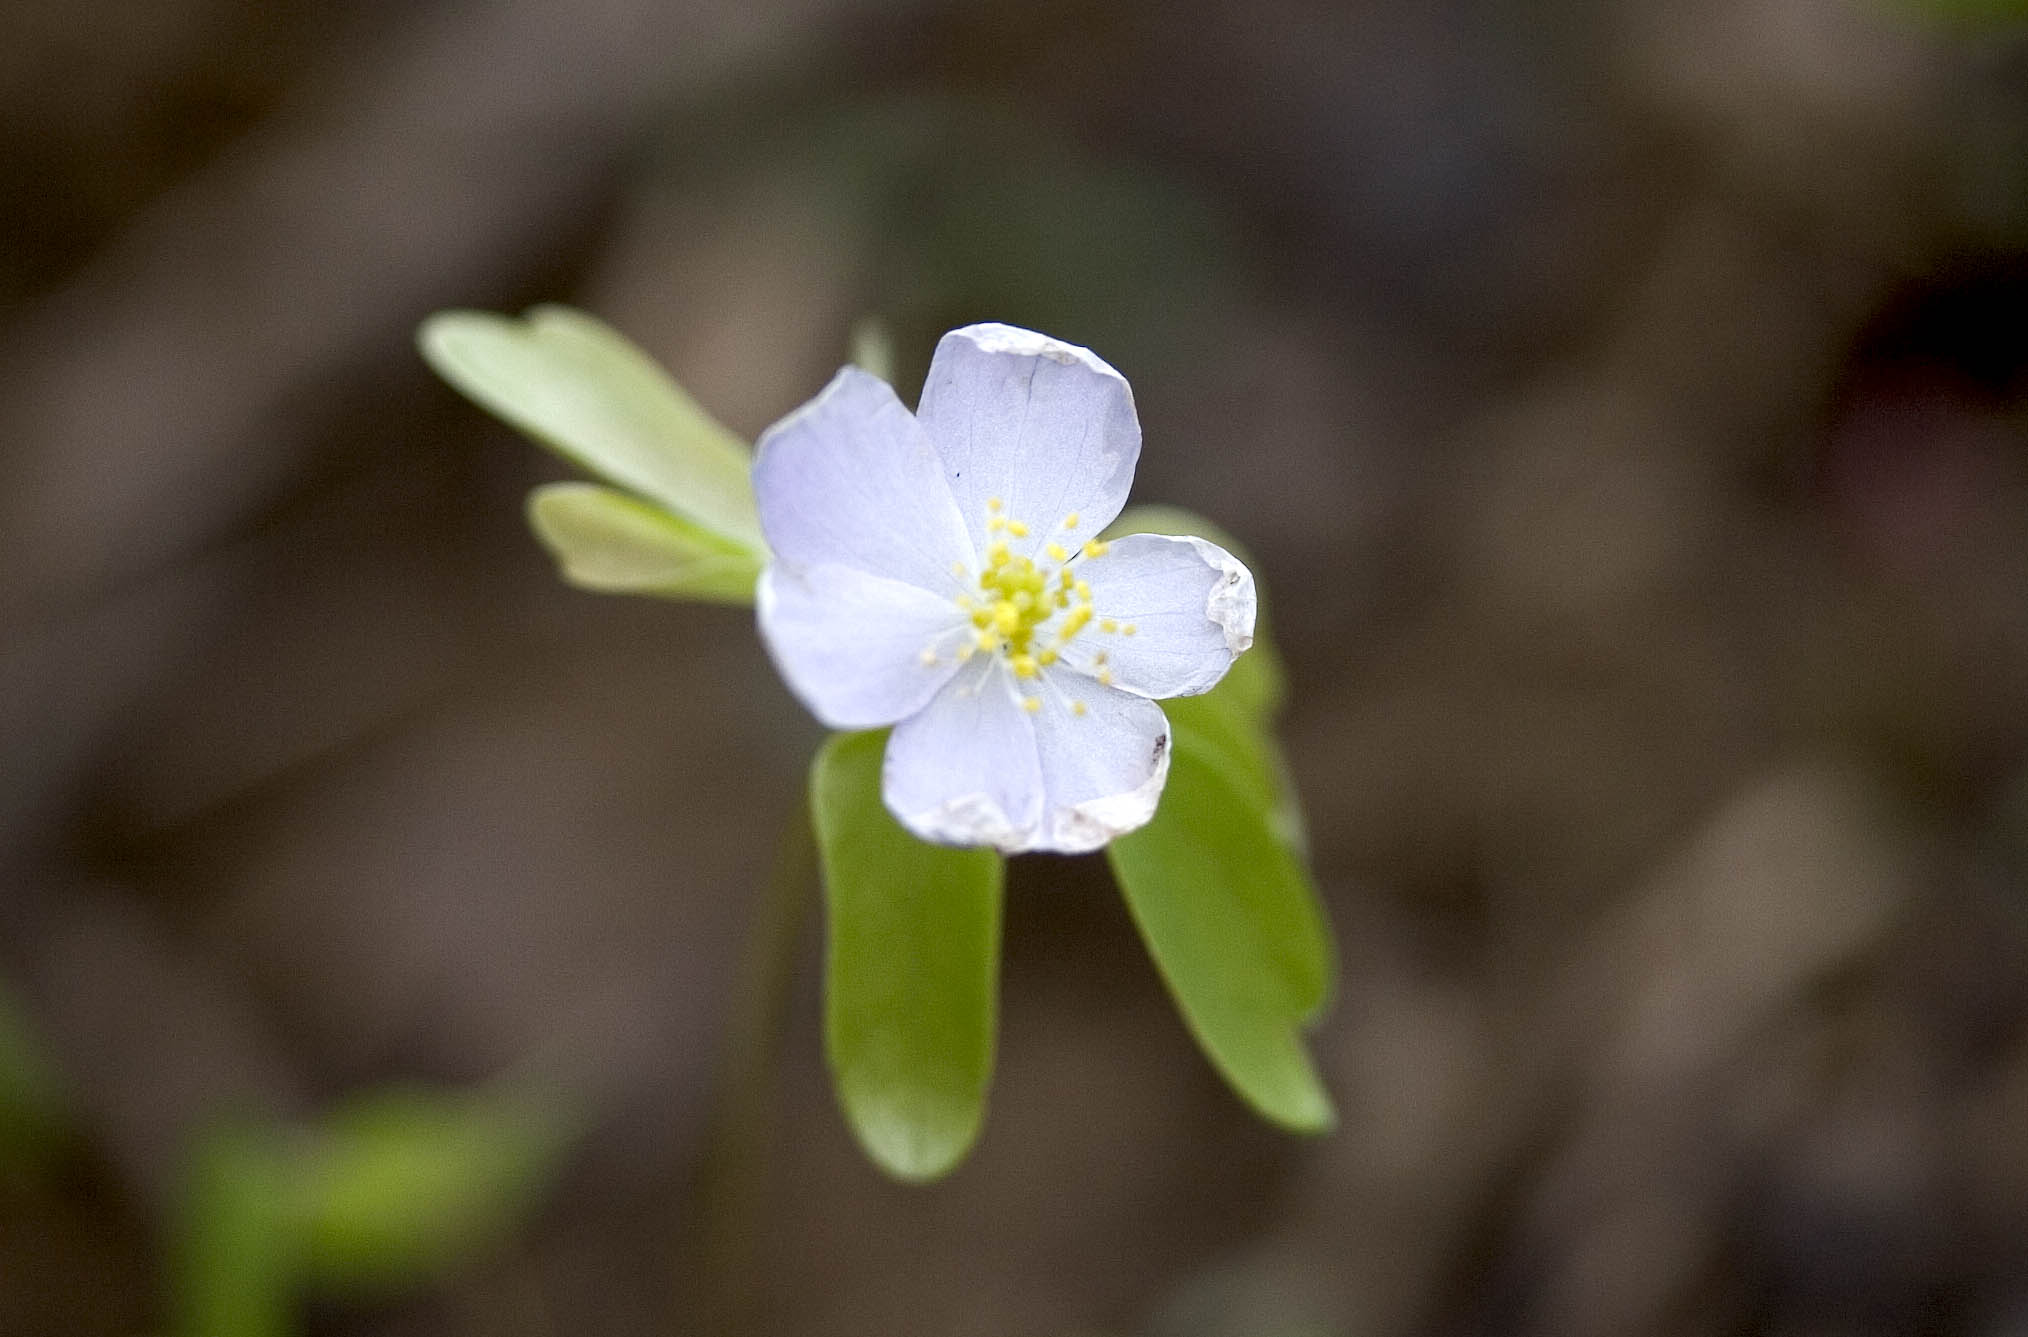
x: 1971, y: 12
x: 32, y: 1106
x: 387, y: 1192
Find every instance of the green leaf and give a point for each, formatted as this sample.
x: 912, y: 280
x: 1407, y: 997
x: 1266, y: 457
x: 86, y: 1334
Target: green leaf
x: 402, y: 1183
x: 1233, y: 922
x: 1217, y: 882
x: 235, y: 1259
x: 610, y: 541
x: 911, y: 969
x: 580, y: 388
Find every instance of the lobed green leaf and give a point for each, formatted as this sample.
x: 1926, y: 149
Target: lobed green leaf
x: 911, y: 969
x: 579, y: 387
x: 610, y: 541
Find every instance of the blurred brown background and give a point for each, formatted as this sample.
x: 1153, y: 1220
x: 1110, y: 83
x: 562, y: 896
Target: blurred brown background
x: 1625, y: 403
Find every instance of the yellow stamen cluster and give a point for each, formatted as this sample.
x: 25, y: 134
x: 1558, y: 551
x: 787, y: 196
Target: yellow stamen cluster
x: 1024, y: 611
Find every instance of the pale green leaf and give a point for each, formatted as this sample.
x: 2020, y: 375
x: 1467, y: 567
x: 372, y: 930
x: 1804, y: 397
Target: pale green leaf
x: 607, y: 540
x: 911, y: 969
x: 1230, y: 916
x: 582, y: 389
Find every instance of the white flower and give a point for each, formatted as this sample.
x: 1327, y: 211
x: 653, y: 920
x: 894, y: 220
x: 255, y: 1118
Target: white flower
x: 940, y: 572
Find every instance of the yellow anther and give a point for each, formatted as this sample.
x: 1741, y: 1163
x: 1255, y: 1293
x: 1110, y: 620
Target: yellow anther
x: 1108, y: 625
x: 1095, y: 548
x: 1129, y: 629
x: 1031, y: 704
x: 1017, y: 600
x: 1077, y: 707
x: 994, y: 503
x: 1105, y: 677
x: 1099, y: 658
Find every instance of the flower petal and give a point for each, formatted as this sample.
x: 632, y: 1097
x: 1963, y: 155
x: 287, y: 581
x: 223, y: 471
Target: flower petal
x: 963, y: 770
x: 849, y: 479
x: 852, y: 645
x: 1190, y: 605
x: 1045, y: 427
x: 1104, y: 756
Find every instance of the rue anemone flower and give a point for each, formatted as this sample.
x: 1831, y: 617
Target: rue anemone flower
x: 941, y: 572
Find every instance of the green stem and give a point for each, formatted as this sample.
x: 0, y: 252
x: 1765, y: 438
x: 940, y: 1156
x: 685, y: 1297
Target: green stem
x: 734, y: 1177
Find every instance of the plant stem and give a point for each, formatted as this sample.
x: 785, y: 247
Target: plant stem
x: 734, y: 1175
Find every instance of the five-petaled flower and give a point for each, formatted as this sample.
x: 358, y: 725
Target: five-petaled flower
x: 941, y: 572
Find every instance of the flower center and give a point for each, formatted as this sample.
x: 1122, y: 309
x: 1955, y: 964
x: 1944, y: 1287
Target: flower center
x: 1026, y: 611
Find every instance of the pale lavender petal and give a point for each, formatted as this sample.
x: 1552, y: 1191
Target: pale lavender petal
x: 849, y: 479
x: 859, y: 650
x: 963, y: 770
x: 1189, y: 605
x: 1045, y: 427
x: 1104, y: 756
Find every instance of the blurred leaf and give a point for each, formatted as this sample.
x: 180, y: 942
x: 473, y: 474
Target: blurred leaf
x: 873, y: 348
x: 583, y: 390
x: 613, y: 542
x: 1968, y: 12
x: 911, y: 969
x: 237, y: 1243
x: 32, y: 1105
x: 402, y: 1183
x: 1228, y: 912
